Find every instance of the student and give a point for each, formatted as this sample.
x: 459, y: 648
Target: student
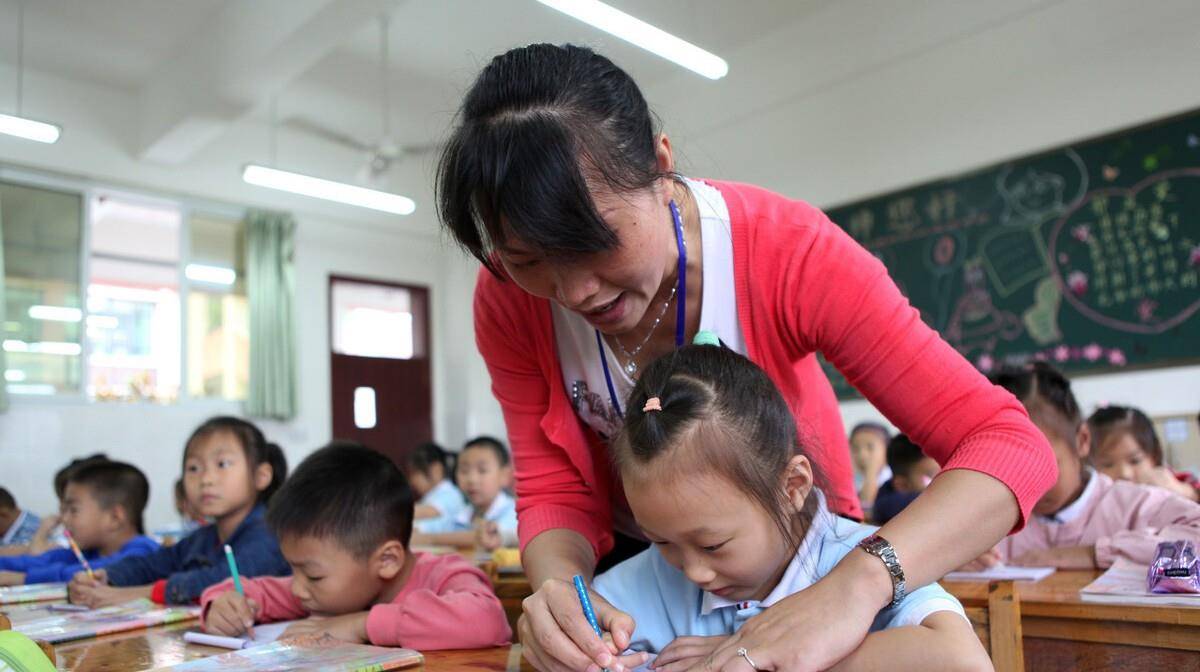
x: 49, y: 532
x: 102, y: 508
x: 189, y: 519
x: 911, y: 470
x: 1087, y: 519
x: 1125, y: 447
x: 17, y: 527
x: 428, y: 472
x: 229, y: 471
x: 868, y: 455
x: 483, y: 473
x: 710, y: 462
x: 344, y: 521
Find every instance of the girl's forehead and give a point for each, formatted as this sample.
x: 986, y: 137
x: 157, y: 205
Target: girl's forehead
x: 219, y: 441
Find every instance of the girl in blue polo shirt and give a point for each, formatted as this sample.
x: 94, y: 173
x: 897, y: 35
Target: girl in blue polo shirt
x: 712, y: 468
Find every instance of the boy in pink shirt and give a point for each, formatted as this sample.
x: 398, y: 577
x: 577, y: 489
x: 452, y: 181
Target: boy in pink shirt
x: 1086, y: 520
x: 344, y: 520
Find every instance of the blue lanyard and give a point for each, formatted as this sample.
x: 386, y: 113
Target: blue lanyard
x: 680, y: 309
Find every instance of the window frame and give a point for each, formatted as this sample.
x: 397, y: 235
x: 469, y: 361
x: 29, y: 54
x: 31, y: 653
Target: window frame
x: 88, y: 190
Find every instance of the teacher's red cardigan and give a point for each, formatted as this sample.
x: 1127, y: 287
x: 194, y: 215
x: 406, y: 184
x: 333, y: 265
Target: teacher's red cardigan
x: 802, y: 286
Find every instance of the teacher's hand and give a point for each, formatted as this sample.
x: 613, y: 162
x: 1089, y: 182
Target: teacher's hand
x: 555, y: 636
x: 805, y: 632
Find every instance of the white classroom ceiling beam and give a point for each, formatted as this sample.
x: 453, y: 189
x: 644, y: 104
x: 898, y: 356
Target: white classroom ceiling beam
x: 248, y: 52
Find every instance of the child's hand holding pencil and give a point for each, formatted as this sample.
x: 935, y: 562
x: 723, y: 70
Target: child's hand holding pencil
x: 231, y: 614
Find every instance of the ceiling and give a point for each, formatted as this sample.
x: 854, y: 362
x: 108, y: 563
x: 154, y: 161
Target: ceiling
x: 177, y: 94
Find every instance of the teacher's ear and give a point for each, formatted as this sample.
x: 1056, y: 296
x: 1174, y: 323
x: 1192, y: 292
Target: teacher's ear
x: 665, y: 159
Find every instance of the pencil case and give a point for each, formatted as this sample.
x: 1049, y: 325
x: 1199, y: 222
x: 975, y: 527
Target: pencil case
x: 1175, y: 569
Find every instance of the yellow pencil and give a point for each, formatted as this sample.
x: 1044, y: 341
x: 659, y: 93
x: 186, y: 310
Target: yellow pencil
x: 79, y: 554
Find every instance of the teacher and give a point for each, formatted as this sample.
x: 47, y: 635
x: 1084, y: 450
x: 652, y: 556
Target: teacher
x: 599, y: 257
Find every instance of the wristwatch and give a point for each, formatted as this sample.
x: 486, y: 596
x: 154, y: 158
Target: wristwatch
x: 882, y: 549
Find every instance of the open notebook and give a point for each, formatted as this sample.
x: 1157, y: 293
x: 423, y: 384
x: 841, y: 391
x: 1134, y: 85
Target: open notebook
x: 34, y: 592
x: 68, y: 626
x: 314, y: 653
x: 1125, y: 583
x: 1002, y: 573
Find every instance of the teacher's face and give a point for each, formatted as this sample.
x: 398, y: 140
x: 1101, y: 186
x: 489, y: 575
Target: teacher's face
x: 612, y: 290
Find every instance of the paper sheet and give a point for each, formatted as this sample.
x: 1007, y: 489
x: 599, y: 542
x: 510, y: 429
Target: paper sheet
x: 1002, y: 573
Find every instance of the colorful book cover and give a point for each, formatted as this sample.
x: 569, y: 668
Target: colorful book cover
x: 34, y: 592
x: 65, y: 627
x: 313, y: 653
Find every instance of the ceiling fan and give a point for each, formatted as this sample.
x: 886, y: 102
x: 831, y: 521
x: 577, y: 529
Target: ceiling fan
x: 381, y: 155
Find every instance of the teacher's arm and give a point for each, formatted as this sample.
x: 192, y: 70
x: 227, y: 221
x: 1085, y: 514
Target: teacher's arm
x: 834, y: 297
x: 564, y: 523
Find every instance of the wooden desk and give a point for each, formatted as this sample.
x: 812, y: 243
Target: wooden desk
x: 1062, y: 631
x: 147, y: 649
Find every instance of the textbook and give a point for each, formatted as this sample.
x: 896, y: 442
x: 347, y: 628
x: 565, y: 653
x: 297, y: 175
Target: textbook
x: 72, y: 625
x: 34, y: 592
x: 312, y: 653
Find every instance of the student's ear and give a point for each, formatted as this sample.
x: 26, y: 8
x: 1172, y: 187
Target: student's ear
x: 798, y: 481
x: 389, y: 559
x: 506, y: 476
x: 115, y: 516
x: 263, y: 475
x: 1083, y: 441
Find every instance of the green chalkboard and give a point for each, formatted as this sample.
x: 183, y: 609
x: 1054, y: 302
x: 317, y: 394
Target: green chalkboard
x: 1087, y: 256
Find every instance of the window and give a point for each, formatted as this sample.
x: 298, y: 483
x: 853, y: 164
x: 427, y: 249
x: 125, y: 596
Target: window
x: 43, y: 312
x: 133, y: 327
x: 218, y: 315
x: 372, y: 320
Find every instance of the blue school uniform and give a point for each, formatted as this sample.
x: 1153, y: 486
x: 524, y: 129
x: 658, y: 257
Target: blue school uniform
x: 198, y: 560
x: 60, y: 564
x: 665, y: 605
x: 503, y: 512
x: 22, y: 530
x: 447, y: 499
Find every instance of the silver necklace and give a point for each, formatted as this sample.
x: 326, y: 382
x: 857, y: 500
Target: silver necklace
x: 631, y: 366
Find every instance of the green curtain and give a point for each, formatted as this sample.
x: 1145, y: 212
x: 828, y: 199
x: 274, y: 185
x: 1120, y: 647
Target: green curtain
x: 270, y: 289
x: 3, y: 305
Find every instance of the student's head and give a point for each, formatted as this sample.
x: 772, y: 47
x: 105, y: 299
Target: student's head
x: 183, y: 506
x: 483, y: 470
x: 428, y: 465
x: 868, y: 444
x: 8, y: 510
x: 1046, y: 395
x: 716, y: 478
x: 912, y: 470
x: 104, y: 501
x: 555, y: 172
x: 343, y: 521
x: 229, y: 466
x: 1124, y: 443
x: 61, y: 476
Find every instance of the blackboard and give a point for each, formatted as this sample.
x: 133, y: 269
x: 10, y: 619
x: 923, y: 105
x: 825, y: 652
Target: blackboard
x: 1087, y: 256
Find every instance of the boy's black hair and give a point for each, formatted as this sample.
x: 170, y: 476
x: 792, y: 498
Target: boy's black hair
x: 903, y: 455
x: 116, y: 484
x: 6, y: 500
x: 61, y: 476
x: 255, y: 445
x: 872, y: 427
x: 346, y: 492
x: 492, y: 443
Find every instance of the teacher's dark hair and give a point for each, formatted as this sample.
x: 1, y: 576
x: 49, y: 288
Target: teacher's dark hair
x: 540, y: 123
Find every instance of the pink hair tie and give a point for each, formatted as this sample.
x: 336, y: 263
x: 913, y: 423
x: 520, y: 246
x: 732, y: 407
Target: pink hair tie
x: 652, y: 404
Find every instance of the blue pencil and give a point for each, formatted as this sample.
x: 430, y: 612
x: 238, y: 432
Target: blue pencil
x: 588, y: 612
x: 237, y: 580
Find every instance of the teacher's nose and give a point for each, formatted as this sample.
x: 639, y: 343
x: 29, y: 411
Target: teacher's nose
x: 577, y: 288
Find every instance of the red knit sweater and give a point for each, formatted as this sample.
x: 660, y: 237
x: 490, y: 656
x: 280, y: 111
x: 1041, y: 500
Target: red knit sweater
x: 802, y: 286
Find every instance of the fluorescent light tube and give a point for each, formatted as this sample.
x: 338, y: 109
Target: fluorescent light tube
x: 55, y: 313
x: 638, y: 32
x: 329, y: 190
x: 217, y: 275
x: 29, y: 129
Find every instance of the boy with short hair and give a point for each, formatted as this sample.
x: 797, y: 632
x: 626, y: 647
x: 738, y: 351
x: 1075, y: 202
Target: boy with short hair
x: 343, y: 521
x: 102, y: 508
x: 17, y: 527
x: 912, y: 471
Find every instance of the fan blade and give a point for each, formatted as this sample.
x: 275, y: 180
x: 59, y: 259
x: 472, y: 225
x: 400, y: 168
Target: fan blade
x: 305, y: 126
